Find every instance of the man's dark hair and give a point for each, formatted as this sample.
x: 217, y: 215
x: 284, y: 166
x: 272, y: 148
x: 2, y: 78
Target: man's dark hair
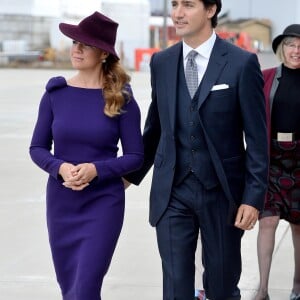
x: 207, y: 4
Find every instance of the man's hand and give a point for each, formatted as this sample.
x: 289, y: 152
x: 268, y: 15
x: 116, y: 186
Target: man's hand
x: 246, y: 217
x: 126, y: 183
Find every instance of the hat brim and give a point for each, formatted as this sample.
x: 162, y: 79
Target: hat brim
x: 76, y: 33
x: 280, y: 37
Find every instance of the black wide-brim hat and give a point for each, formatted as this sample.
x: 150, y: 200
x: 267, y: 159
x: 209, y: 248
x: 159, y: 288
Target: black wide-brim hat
x: 292, y: 30
x: 95, y: 30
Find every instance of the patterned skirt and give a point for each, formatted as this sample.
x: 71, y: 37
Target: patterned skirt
x: 283, y: 196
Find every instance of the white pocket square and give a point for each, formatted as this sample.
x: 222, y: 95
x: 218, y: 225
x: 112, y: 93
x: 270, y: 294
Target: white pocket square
x: 220, y: 87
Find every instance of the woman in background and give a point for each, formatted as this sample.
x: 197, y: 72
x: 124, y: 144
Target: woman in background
x: 282, y: 93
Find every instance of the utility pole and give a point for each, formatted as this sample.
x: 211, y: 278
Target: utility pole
x: 165, y: 25
x: 250, y: 10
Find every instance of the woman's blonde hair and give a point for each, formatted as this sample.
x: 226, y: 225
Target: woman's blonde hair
x: 279, y: 50
x: 114, y: 86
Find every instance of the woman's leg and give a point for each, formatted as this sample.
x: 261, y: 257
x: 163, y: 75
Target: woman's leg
x: 296, y: 242
x: 265, y: 248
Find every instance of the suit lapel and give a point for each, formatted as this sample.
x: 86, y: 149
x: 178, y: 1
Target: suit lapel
x: 215, y: 65
x: 172, y: 65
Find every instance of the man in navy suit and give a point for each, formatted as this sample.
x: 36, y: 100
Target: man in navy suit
x: 209, y: 152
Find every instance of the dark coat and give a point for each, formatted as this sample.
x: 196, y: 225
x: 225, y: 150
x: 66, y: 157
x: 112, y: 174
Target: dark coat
x: 226, y: 115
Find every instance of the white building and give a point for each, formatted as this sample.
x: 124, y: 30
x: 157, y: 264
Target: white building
x: 53, y: 8
x: 133, y: 17
x: 33, y: 24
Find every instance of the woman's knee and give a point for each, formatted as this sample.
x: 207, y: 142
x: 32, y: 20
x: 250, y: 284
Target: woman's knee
x: 268, y: 223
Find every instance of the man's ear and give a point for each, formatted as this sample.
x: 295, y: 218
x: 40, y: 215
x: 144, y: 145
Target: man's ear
x: 211, y: 11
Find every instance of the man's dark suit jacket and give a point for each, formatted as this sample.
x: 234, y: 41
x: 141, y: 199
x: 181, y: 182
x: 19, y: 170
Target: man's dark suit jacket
x: 232, y: 112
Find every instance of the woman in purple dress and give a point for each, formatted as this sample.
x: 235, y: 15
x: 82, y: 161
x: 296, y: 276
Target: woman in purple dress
x: 84, y: 118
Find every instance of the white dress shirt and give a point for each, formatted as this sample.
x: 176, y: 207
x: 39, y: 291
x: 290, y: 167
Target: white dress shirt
x: 204, y: 51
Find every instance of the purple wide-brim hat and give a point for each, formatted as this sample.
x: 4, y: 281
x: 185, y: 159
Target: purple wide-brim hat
x: 292, y: 31
x: 95, y: 30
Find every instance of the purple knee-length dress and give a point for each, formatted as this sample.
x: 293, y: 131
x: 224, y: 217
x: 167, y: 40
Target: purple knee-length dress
x: 84, y: 226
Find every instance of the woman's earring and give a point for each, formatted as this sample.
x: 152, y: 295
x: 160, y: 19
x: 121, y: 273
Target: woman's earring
x: 104, y: 61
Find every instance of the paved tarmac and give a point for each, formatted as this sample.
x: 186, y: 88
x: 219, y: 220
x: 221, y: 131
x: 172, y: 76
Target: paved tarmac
x: 26, y: 270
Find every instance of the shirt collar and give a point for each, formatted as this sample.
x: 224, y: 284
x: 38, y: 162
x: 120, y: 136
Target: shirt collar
x: 204, y: 49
